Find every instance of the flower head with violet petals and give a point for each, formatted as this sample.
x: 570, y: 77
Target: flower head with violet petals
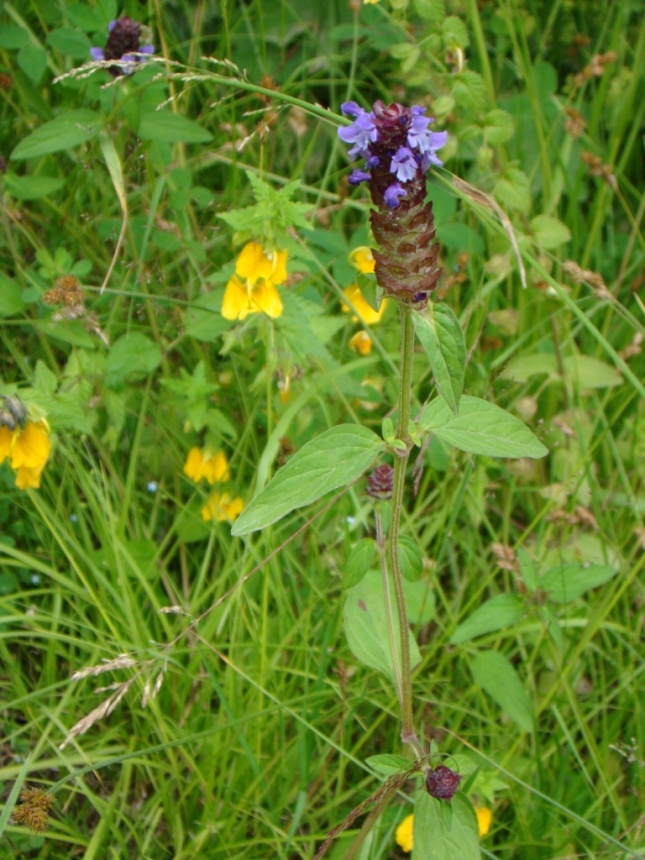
x: 123, y: 44
x: 399, y: 149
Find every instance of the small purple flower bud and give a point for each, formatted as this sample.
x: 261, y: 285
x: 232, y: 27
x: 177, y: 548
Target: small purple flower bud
x: 122, y: 44
x: 381, y: 482
x: 373, y: 161
x: 404, y: 164
x: 358, y: 176
x: 392, y: 194
x: 442, y: 783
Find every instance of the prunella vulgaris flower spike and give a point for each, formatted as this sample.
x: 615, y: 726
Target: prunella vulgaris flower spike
x: 123, y: 43
x: 398, y: 150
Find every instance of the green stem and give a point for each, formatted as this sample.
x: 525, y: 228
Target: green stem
x: 391, y: 632
x: 408, y: 734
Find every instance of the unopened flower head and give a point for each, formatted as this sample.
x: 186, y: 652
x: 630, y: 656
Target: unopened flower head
x: 398, y: 148
x: 123, y: 44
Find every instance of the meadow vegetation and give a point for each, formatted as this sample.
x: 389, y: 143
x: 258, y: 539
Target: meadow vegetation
x: 186, y: 301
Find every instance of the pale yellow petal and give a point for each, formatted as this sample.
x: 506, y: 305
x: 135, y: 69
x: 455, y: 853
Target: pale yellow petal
x: 31, y: 447
x: 253, y: 263
x: 194, y: 465
x: 28, y: 478
x: 361, y: 342
x: 236, y: 304
x: 362, y: 259
x: 222, y: 508
x: 279, y: 267
x: 266, y: 298
x: 484, y: 819
x: 403, y: 834
x: 216, y: 467
x: 367, y: 314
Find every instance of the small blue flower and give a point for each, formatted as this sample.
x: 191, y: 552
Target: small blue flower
x: 361, y: 132
x: 404, y: 164
x: 358, y: 176
x: 152, y: 486
x: 392, y: 194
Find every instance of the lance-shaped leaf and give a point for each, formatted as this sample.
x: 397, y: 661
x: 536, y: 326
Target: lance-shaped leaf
x: 443, y: 341
x: 480, y: 427
x: 494, y: 674
x: 445, y: 831
x: 65, y: 132
x: 334, y: 459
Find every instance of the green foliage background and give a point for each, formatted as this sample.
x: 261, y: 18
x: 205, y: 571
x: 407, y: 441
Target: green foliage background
x: 256, y: 741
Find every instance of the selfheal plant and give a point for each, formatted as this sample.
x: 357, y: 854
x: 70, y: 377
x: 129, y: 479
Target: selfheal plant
x: 123, y: 44
x: 398, y: 149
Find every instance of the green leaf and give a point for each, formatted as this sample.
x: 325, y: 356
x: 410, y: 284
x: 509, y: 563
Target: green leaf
x: 64, y: 132
x: 527, y: 570
x: 334, y: 459
x: 570, y: 581
x: 513, y: 189
x: 361, y: 559
x: 71, y: 42
x: 84, y: 17
x: 203, y: 319
x: 586, y: 372
x: 443, y: 341
x: 131, y: 357
x: 549, y: 232
x: 495, y: 675
x: 67, y: 331
x: 455, y: 33
x: 366, y: 626
x: 388, y: 764
x: 481, y: 428
x: 32, y: 59
x: 431, y: 10
x: 498, y: 127
x: 419, y: 600
x: 469, y: 89
x: 13, y: 38
x: 31, y: 187
x: 501, y: 611
x: 370, y: 290
x: 11, y: 303
x: 410, y: 558
x: 169, y: 127
x: 445, y: 831
x: 522, y: 368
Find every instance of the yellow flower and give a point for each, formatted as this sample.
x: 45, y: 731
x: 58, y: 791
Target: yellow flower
x: 253, y: 286
x: 222, y: 507
x: 361, y: 258
x: 367, y: 314
x: 366, y: 2
x: 361, y: 342
x: 484, y: 819
x: 28, y: 448
x: 205, y: 464
x: 403, y: 834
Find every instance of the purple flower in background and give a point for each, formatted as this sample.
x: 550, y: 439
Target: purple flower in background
x: 122, y: 44
x: 361, y: 132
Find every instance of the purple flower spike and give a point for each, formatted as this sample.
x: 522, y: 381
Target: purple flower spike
x: 361, y: 133
x: 404, y: 164
x: 392, y: 194
x: 122, y: 46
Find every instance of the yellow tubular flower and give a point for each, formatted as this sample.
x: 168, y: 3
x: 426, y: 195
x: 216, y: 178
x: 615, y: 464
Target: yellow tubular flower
x: 361, y: 258
x: 28, y: 448
x: 361, y: 342
x: 484, y: 819
x: 216, y: 467
x: 403, y: 834
x: 222, y: 508
x: 194, y: 465
x: 367, y: 314
x: 253, y: 286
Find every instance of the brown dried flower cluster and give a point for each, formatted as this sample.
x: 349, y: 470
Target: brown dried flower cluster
x: 587, y: 276
x: 33, y: 809
x: 575, y: 123
x: 597, y: 168
x: 595, y: 68
x: 66, y: 291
